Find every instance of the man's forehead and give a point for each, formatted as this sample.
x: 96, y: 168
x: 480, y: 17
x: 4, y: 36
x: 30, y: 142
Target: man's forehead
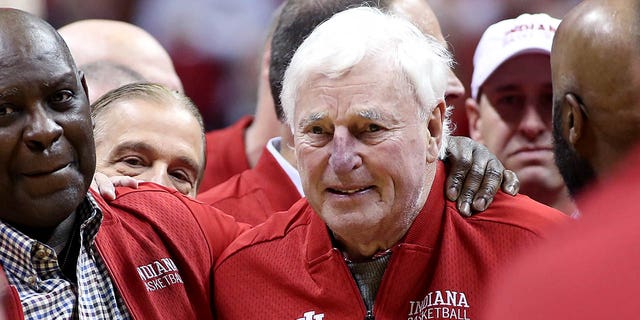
x: 607, y: 45
x: 32, y: 43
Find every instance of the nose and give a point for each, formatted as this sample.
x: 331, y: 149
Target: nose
x: 455, y: 89
x: 42, y: 131
x: 157, y: 173
x: 344, y: 157
x: 532, y: 124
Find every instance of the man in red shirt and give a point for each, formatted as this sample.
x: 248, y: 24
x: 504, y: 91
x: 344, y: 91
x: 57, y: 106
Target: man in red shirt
x: 66, y: 253
x: 274, y: 183
x: 130, y: 132
x: 375, y: 236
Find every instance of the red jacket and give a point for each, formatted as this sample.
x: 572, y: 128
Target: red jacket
x: 226, y: 155
x: 255, y: 194
x: 159, y: 248
x: 588, y: 270
x: 287, y: 267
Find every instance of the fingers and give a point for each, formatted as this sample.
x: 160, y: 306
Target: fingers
x: 470, y: 188
x: 493, y: 176
x: 106, y: 186
x: 103, y: 185
x: 510, y: 183
x: 459, y: 160
x: 124, y: 181
x: 475, y: 175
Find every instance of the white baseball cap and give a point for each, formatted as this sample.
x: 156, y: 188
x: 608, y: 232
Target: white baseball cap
x: 528, y: 33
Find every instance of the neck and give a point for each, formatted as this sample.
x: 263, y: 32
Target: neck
x: 264, y: 127
x: 358, y: 246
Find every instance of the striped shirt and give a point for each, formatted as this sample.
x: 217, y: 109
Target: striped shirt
x: 45, y: 293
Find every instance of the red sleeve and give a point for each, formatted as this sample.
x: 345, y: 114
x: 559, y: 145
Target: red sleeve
x: 219, y: 228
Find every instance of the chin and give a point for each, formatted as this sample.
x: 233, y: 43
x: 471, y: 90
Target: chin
x: 540, y: 175
x: 353, y: 222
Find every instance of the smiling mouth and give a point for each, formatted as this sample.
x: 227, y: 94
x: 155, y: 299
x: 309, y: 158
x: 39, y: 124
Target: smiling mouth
x: 346, y: 192
x: 39, y: 173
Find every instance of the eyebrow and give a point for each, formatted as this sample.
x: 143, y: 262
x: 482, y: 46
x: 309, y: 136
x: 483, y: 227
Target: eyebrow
x: 143, y: 147
x: 507, y: 87
x: 514, y: 87
x: 370, y: 115
x: 311, y: 118
x: 8, y: 92
x: 378, y: 115
x: 67, y: 78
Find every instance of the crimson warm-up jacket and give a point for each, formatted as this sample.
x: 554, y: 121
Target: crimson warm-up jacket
x: 151, y: 236
x: 287, y: 267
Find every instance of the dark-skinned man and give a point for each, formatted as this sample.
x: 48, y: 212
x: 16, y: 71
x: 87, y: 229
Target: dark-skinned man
x: 590, y: 270
x: 65, y: 252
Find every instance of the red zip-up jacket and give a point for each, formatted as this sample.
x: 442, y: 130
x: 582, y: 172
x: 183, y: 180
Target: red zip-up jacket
x: 159, y: 247
x: 287, y: 267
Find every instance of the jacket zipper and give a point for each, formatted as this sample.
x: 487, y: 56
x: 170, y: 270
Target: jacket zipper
x: 369, y: 315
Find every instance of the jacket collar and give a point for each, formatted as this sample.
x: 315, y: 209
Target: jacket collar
x: 424, y: 231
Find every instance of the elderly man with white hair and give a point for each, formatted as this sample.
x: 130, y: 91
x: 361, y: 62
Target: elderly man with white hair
x: 375, y: 236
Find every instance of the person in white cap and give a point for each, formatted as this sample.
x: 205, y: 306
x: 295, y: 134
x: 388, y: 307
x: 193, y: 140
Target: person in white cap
x: 510, y: 106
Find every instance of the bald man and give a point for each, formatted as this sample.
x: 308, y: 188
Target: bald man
x: 103, y: 76
x: 123, y: 43
x: 596, y: 97
x: 274, y: 183
x: 589, y: 270
x: 67, y: 253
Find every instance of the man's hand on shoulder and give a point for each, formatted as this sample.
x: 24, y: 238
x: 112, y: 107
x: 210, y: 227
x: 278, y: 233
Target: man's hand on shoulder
x: 475, y: 175
x: 106, y: 186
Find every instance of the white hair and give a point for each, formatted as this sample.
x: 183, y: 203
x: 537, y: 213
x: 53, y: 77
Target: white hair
x: 340, y: 43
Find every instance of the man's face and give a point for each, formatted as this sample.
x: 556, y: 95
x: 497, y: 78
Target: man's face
x: 363, y: 153
x: 132, y: 140
x: 47, y: 153
x: 513, y: 119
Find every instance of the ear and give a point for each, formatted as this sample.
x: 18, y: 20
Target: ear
x: 475, y: 122
x: 83, y: 81
x: 572, y: 119
x: 436, y: 130
x: 266, y: 62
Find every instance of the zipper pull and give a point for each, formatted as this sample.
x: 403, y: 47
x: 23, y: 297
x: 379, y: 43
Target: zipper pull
x: 369, y: 315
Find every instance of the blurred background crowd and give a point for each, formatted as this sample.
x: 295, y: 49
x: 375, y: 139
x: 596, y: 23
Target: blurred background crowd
x: 216, y: 44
